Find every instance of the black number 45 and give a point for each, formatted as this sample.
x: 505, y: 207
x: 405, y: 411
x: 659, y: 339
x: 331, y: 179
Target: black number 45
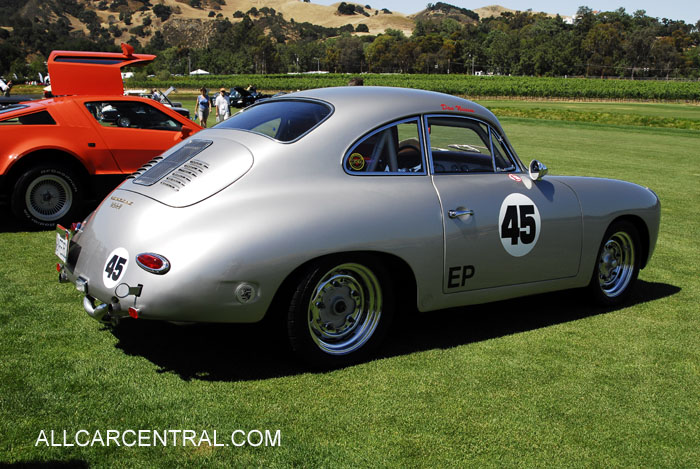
x: 115, y: 266
x: 523, y: 227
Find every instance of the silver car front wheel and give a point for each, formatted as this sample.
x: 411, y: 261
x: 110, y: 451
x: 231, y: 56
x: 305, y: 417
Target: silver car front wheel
x: 617, y: 264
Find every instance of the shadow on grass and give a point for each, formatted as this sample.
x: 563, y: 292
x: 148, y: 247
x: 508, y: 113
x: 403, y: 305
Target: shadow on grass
x: 239, y: 352
x: 11, y: 225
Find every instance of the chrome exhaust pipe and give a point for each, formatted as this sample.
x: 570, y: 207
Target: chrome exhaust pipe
x: 102, y: 312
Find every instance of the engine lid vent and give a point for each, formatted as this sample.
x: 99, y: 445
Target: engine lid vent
x: 171, y: 162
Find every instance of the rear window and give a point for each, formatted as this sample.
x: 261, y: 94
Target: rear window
x: 11, y: 107
x: 37, y: 118
x: 284, y: 120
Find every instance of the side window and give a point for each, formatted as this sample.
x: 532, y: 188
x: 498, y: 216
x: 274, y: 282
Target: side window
x: 395, y: 148
x: 131, y: 114
x: 37, y: 118
x: 501, y: 154
x: 459, y: 145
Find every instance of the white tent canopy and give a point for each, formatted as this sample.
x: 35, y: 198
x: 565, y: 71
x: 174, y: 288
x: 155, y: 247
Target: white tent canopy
x: 199, y: 71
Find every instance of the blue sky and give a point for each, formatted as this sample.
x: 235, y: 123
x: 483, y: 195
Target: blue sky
x: 686, y: 10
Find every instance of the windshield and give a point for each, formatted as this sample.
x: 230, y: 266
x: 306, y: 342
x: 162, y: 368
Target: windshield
x: 284, y: 120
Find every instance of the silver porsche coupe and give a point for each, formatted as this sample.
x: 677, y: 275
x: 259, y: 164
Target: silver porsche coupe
x: 320, y: 209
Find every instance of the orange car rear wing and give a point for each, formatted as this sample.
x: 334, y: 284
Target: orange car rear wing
x: 95, y: 73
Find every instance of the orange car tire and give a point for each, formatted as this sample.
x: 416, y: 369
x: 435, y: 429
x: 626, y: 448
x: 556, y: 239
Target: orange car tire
x: 46, y: 195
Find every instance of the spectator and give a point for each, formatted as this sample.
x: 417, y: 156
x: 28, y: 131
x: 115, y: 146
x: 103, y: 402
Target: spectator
x: 5, y: 87
x: 156, y: 95
x: 222, y: 105
x: 203, y: 107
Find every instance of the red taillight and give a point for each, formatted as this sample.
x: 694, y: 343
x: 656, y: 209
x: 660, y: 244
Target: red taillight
x: 133, y: 312
x: 153, y: 263
x: 58, y: 267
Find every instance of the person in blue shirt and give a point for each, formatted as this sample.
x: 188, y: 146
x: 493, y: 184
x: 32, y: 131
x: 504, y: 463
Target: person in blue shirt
x: 203, y: 107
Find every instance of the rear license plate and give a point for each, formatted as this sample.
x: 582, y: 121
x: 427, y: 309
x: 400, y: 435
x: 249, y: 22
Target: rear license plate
x: 62, y: 238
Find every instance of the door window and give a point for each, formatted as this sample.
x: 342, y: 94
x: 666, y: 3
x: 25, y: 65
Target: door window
x: 459, y: 145
x: 131, y: 115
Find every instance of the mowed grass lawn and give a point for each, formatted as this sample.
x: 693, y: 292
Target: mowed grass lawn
x: 534, y: 382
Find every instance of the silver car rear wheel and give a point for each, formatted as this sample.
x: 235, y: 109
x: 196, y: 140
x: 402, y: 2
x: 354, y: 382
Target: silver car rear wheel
x: 345, y: 309
x: 340, y: 310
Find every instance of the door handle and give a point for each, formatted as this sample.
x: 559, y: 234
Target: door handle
x: 459, y: 213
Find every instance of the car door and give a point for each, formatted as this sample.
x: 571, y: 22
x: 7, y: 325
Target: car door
x: 500, y: 227
x: 134, y: 131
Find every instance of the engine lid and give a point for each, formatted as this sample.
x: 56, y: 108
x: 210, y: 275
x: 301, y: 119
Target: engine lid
x: 192, y: 171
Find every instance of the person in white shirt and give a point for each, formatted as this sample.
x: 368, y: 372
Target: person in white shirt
x: 5, y: 87
x: 222, y: 104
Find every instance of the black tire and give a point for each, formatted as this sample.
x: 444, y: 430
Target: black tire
x: 617, y: 264
x: 46, y: 195
x: 340, y: 311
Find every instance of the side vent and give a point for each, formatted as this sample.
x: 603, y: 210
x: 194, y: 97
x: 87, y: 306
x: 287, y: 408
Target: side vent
x: 143, y: 168
x: 175, y: 170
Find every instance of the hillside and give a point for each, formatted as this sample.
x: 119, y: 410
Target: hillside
x: 143, y: 21
x: 190, y: 22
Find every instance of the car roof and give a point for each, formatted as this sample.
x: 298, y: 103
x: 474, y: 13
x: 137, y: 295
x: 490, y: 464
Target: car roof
x: 97, y: 73
x: 387, y: 103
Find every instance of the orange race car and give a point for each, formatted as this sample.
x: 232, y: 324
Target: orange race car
x: 59, y: 152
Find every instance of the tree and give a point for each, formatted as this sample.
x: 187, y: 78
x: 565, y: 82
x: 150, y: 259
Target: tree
x: 162, y: 11
x: 381, y: 53
x: 603, y: 45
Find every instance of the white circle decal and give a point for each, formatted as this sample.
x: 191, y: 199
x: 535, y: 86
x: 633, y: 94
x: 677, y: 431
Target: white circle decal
x: 519, y: 224
x: 115, y: 267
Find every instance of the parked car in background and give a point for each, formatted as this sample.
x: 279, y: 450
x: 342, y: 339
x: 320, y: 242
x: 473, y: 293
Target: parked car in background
x: 321, y: 209
x: 162, y: 98
x: 60, y: 152
x: 241, y: 97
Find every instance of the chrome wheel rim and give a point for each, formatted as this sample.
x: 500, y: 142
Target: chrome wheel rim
x: 48, y: 198
x: 344, y: 309
x: 616, y: 264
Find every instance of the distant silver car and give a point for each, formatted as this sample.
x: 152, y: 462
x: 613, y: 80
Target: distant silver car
x: 321, y: 208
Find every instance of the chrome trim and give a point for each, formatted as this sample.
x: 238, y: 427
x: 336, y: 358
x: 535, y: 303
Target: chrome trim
x: 491, y: 130
x: 81, y: 284
x: 537, y: 170
x: 502, y: 141
x: 459, y: 213
x: 161, y: 271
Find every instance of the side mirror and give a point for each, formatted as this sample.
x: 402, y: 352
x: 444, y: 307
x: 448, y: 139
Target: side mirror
x: 183, y: 134
x: 537, y: 170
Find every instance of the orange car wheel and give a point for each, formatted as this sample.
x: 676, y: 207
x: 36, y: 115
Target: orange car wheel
x: 46, y: 195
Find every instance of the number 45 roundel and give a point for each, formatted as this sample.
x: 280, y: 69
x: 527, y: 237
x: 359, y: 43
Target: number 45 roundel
x: 519, y: 224
x: 115, y: 267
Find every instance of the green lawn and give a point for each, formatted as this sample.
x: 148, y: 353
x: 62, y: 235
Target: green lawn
x: 534, y: 382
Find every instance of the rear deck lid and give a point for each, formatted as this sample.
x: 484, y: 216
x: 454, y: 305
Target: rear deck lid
x: 192, y: 171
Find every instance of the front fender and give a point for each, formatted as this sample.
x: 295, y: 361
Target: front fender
x: 605, y: 200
